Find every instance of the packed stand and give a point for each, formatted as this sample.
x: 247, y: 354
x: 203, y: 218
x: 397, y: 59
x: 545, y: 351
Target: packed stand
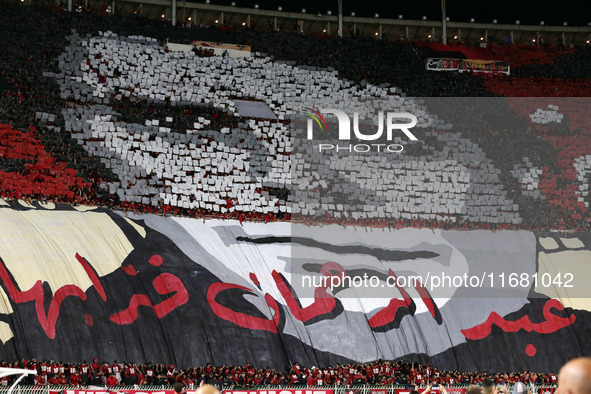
x: 365, y: 60
x: 380, y: 373
x: 542, y: 71
x: 157, y: 131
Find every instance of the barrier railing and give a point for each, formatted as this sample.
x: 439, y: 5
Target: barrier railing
x: 4, y: 372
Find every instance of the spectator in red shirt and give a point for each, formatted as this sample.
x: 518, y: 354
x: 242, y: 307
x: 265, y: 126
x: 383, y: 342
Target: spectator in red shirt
x: 84, y: 373
x: 95, y: 365
x: 275, y: 380
x: 53, y: 381
x: 61, y: 379
x: 112, y: 381
x: 39, y: 380
x: 150, y: 375
x: 170, y: 374
x: 74, y: 379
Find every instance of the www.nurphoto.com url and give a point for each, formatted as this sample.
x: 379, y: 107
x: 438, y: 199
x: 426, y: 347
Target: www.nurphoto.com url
x: 442, y: 280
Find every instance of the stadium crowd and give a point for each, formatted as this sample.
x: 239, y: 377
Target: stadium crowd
x: 36, y: 100
x: 365, y: 60
x: 381, y: 373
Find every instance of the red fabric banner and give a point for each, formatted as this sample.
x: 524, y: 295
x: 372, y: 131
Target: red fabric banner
x: 450, y: 390
x: 311, y: 391
x: 118, y: 391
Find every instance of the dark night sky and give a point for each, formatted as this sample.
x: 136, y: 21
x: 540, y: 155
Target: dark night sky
x: 553, y: 12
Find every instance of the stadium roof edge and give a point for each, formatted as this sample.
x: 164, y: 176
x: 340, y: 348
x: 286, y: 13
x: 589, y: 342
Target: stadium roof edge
x: 207, y: 14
